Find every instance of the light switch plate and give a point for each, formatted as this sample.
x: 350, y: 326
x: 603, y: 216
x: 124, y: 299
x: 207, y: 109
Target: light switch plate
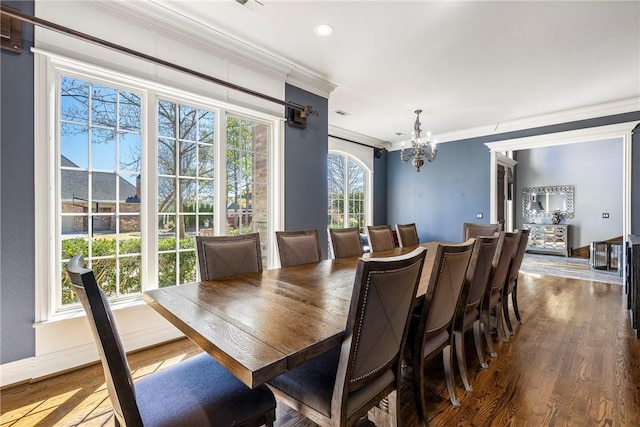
x: 479, y: 215
x: 605, y: 215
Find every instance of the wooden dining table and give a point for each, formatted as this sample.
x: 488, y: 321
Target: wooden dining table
x: 261, y: 325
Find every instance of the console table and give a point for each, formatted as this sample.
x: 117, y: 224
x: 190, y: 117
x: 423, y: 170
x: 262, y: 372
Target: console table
x: 548, y: 238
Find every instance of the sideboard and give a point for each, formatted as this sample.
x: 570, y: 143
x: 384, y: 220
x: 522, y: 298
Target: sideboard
x: 548, y: 238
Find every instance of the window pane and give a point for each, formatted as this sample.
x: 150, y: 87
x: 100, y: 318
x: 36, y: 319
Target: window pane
x: 166, y: 119
x: 166, y: 195
x: 74, y: 191
x: 130, y: 193
x: 188, y: 161
x: 74, y: 100
x: 336, y: 185
x: 103, y: 149
x: 103, y: 192
x: 103, y: 106
x: 105, y: 272
x: 74, y: 145
x: 206, y: 127
x: 346, y: 181
x: 130, y: 111
x: 167, y: 269
x: 129, y: 277
x: 187, y: 123
x: 130, y: 152
x: 166, y: 157
x: 205, y: 161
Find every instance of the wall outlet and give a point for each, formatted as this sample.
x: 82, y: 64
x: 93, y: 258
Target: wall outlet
x: 605, y: 215
x: 479, y: 215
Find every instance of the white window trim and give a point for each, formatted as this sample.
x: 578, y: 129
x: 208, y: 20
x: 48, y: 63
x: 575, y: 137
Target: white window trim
x: 48, y: 67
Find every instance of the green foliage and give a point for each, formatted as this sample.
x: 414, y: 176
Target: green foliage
x: 127, y: 280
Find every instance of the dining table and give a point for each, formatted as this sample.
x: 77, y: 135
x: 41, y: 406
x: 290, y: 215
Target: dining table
x: 261, y: 325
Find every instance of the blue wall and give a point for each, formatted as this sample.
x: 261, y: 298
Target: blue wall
x: 305, y: 159
x: 444, y: 194
x: 17, y: 265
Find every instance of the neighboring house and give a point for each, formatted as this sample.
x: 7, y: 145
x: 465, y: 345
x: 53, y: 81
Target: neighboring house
x: 75, y: 199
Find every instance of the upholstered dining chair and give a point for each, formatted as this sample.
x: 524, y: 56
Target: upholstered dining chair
x: 430, y: 333
x: 380, y: 238
x: 407, y: 234
x: 228, y: 256
x: 339, y: 387
x: 345, y: 242
x: 468, y: 311
x: 492, y: 299
x: 196, y: 392
x: 298, y: 247
x: 511, y: 287
x: 475, y: 229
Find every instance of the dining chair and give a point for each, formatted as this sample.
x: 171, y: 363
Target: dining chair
x: 492, y: 300
x: 475, y: 229
x: 511, y: 287
x: 345, y: 242
x: 430, y: 332
x: 340, y: 386
x: 407, y: 234
x: 198, y: 391
x: 227, y: 256
x: 298, y: 247
x: 380, y: 238
x: 468, y: 312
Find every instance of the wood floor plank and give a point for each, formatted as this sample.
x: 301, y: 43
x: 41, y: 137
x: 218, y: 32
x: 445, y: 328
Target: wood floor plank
x: 573, y: 362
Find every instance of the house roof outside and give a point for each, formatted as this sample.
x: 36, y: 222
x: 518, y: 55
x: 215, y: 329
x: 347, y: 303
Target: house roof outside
x: 74, y: 185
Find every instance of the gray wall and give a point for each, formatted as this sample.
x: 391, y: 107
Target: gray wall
x: 305, y: 159
x: 594, y: 169
x: 17, y: 271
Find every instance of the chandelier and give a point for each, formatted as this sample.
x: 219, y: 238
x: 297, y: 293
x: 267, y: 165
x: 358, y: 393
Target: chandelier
x: 420, y: 149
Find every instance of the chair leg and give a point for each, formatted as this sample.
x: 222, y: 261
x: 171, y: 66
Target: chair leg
x: 502, y: 322
x: 477, y: 339
x: 462, y: 360
x: 418, y: 388
x: 514, y: 300
x: 507, y: 318
x: 448, y: 374
x: 486, y: 321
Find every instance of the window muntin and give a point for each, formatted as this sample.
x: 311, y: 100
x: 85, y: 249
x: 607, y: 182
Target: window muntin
x: 346, y: 182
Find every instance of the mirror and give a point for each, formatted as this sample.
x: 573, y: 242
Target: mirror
x: 555, y: 202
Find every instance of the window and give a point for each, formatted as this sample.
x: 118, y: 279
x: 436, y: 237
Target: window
x: 139, y: 171
x: 347, y: 189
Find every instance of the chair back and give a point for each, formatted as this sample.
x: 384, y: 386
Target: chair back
x: 105, y: 333
x: 514, y: 269
x: 380, y: 238
x: 478, y: 271
x: 227, y: 256
x: 407, y: 234
x: 345, y: 242
x: 449, y: 270
x: 502, y: 262
x: 474, y: 229
x: 383, y: 294
x: 298, y: 247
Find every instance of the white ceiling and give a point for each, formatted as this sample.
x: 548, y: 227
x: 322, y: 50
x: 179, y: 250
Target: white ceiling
x: 466, y: 64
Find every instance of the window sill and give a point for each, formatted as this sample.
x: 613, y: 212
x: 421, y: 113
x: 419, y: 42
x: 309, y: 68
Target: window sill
x: 78, y: 312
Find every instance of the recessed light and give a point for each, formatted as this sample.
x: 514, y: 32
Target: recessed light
x: 323, y: 30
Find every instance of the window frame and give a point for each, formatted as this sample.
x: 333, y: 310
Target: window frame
x: 49, y: 68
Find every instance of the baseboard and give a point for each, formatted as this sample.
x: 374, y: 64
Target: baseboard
x: 34, y: 368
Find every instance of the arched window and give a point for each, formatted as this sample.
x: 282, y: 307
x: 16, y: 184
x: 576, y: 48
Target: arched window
x: 348, y: 192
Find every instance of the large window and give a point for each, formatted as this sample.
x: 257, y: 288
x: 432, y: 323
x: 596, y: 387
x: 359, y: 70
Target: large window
x: 347, y: 190
x: 139, y: 173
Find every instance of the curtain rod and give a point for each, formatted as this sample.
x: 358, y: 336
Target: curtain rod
x: 68, y: 31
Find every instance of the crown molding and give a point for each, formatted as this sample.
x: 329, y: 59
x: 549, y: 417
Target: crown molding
x: 357, y: 137
x: 583, y: 113
x: 173, y: 25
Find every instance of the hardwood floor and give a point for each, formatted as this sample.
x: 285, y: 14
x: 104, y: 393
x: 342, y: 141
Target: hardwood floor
x: 573, y: 362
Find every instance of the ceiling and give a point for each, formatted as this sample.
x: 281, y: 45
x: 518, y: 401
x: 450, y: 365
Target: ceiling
x: 466, y: 64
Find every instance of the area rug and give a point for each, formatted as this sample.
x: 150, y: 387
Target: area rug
x: 572, y: 268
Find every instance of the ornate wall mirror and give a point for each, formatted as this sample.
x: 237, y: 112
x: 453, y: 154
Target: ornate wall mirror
x: 555, y: 202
